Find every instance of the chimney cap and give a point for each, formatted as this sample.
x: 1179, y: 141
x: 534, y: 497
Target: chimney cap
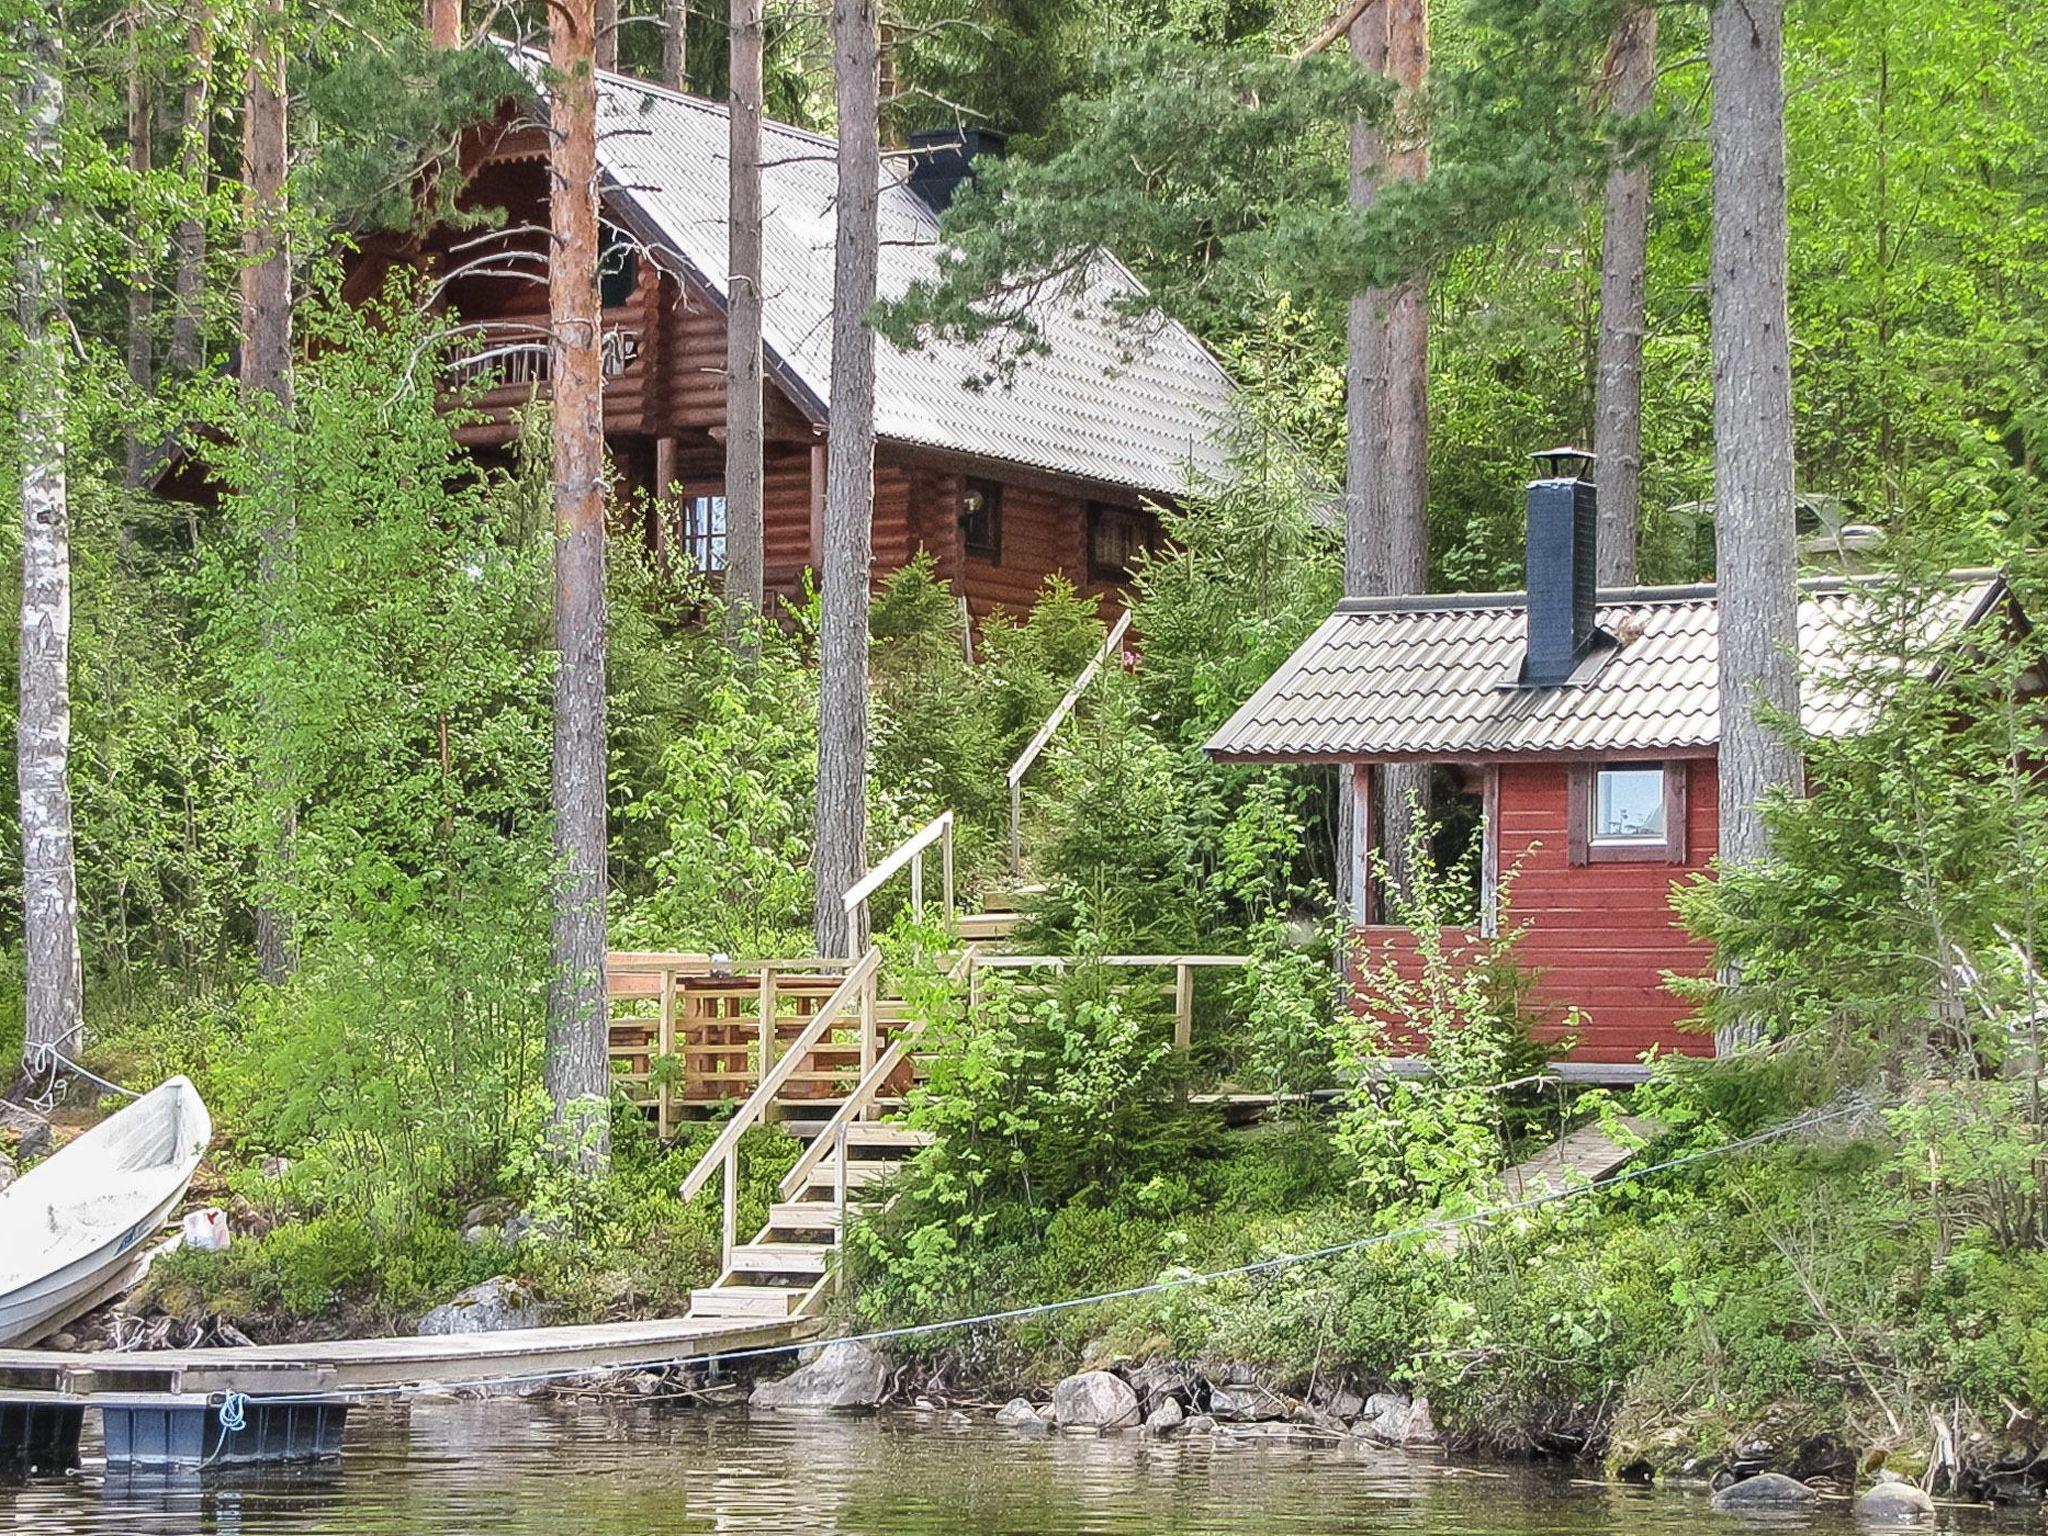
x: 1563, y: 463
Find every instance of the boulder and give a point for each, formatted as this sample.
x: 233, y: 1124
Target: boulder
x: 1199, y: 1424
x: 1385, y: 1417
x: 8, y: 1172
x: 1895, y: 1503
x: 1767, y: 1490
x: 1247, y: 1403
x: 842, y: 1375
x: 1019, y: 1415
x: 1165, y: 1418
x: 498, y: 1304
x: 1420, y: 1428
x: 1095, y: 1400
x: 1338, y: 1402
x: 1156, y: 1379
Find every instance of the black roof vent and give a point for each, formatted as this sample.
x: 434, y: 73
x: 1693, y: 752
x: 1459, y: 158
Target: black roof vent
x: 1563, y: 556
x: 942, y: 158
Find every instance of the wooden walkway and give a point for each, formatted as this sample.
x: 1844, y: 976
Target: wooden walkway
x: 344, y: 1366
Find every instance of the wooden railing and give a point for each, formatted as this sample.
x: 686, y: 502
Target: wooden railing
x: 856, y: 991
x: 1065, y: 707
x: 514, y: 354
x: 689, y: 1032
x: 1182, y: 986
x: 908, y: 852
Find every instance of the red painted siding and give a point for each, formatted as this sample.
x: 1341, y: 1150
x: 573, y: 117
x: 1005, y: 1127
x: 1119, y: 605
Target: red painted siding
x: 1597, y: 937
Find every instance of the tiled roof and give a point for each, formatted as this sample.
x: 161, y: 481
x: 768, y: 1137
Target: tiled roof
x: 1109, y: 398
x: 1433, y: 677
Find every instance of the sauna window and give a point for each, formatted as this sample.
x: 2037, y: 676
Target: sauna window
x: 618, y: 266
x: 981, y: 520
x: 1116, y: 537
x: 701, y: 532
x: 1628, y: 811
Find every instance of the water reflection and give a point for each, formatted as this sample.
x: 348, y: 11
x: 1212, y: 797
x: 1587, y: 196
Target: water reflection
x: 534, y: 1469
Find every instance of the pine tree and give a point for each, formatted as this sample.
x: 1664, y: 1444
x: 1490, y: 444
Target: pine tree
x: 1624, y: 249
x: 141, y: 281
x: 577, y: 1068
x: 839, y: 851
x: 746, y: 556
x: 49, y: 896
x: 675, y: 45
x: 195, y: 155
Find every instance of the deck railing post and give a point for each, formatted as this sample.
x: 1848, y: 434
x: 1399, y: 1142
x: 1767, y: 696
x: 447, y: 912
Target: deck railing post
x: 1183, y: 1007
x: 946, y: 870
x: 917, y: 885
x: 1016, y: 827
x: 839, y: 1186
x: 868, y: 1049
x: 665, y: 1038
x: 729, y: 1229
x: 767, y: 1021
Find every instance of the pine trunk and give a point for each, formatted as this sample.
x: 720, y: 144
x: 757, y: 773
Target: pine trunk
x: 1624, y: 247
x: 839, y: 856
x: 578, y: 1073
x: 675, y: 45
x: 605, y: 32
x: 195, y: 154
x: 137, y: 451
x: 1754, y: 529
x: 444, y: 24
x: 267, y: 389
x: 49, y: 895
x: 744, y: 526
x: 1386, y: 526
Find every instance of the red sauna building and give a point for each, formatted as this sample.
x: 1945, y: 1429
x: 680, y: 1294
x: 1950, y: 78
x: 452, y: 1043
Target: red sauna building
x: 1006, y: 475
x: 1585, y: 726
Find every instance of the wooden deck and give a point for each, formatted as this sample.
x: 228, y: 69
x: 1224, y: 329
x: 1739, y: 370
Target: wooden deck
x: 344, y: 1366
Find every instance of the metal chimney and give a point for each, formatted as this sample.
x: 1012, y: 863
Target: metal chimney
x: 942, y: 158
x: 1564, y: 518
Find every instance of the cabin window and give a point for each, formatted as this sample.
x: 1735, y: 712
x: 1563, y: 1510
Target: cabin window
x: 1116, y: 537
x: 700, y: 531
x: 618, y: 266
x: 1626, y: 811
x: 981, y: 520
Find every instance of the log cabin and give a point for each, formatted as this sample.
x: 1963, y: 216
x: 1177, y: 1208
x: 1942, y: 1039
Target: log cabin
x: 1008, y: 464
x: 1581, y: 728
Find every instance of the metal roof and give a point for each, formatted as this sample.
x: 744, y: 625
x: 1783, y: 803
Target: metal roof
x: 1433, y: 677
x: 1104, y: 396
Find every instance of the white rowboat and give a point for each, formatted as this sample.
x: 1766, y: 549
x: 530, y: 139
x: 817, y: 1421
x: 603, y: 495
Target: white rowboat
x: 72, y: 1228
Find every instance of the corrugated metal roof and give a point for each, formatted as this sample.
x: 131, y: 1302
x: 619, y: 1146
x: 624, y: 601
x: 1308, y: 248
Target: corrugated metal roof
x: 1433, y: 677
x: 1107, y: 397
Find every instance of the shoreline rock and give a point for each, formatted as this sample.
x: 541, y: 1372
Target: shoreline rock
x: 842, y: 1375
x: 1095, y: 1400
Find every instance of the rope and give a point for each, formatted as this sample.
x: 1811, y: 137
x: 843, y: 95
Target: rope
x: 43, y: 1057
x: 1156, y: 1287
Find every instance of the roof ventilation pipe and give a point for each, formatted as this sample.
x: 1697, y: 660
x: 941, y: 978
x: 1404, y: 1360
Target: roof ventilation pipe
x: 942, y: 158
x: 1564, y: 516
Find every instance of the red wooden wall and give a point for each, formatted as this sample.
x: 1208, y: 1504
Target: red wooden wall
x: 1597, y: 937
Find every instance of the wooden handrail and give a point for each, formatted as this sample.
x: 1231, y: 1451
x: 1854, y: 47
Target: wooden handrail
x: 833, y: 1132
x: 772, y: 1078
x: 1061, y: 962
x: 939, y: 826
x: 1053, y: 721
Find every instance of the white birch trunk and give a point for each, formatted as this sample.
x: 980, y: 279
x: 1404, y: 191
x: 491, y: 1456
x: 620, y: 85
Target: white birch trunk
x: 839, y: 854
x: 49, y: 898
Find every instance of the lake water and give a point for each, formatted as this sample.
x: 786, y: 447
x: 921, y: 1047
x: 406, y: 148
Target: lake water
x: 549, y: 1469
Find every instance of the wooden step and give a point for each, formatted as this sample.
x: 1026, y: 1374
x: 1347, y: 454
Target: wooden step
x: 866, y: 1134
x: 825, y: 1174
x: 780, y: 1259
x: 746, y: 1300
x: 804, y: 1216
x: 981, y: 927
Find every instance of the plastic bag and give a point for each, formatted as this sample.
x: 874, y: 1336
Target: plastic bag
x: 206, y: 1230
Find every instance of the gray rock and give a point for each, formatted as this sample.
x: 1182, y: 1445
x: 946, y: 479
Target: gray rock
x: 1421, y: 1427
x: 1165, y: 1418
x: 1046, y: 1416
x: 1767, y: 1490
x: 1339, y: 1402
x: 8, y: 1172
x: 498, y: 1304
x: 1385, y: 1417
x: 1247, y: 1403
x: 1095, y: 1400
x: 1019, y: 1415
x: 1156, y: 1379
x: 1199, y: 1424
x: 1896, y: 1503
x: 844, y: 1375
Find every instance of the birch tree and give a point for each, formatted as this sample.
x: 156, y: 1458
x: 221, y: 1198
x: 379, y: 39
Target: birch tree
x: 746, y: 556
x: 266, y: 382
x: 577, y: 1069
x: 839, y: 849
x: 1624, y: 247
x: 49, y: 897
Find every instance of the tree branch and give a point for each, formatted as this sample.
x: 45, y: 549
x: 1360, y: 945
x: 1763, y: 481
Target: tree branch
x: 1334, y: 28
